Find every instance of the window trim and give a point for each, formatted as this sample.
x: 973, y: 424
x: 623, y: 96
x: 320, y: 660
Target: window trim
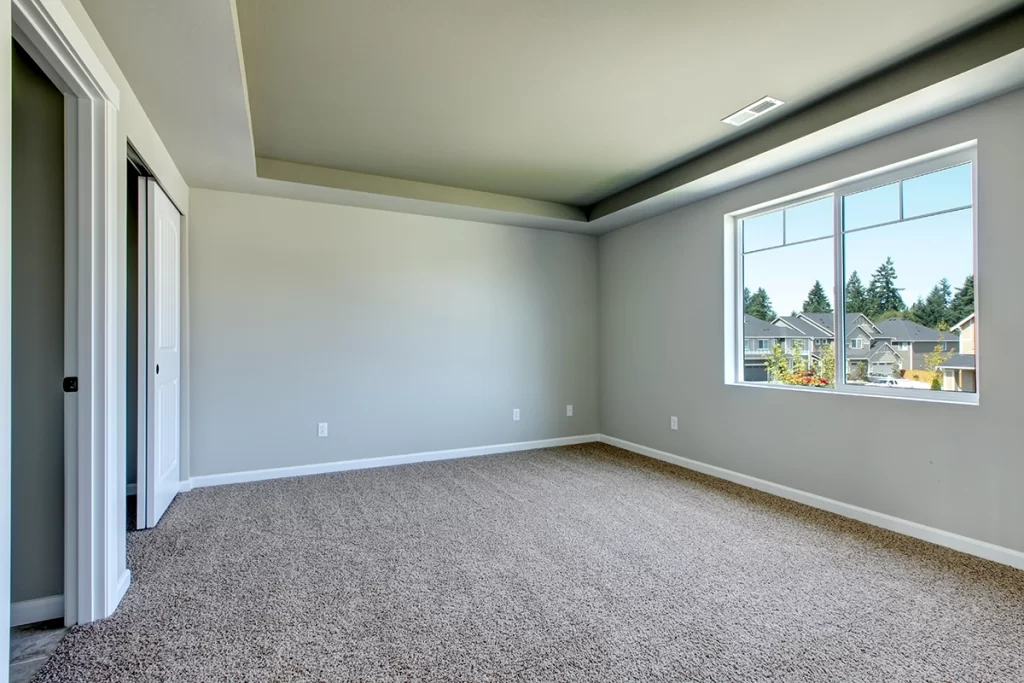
x: 899, y: 172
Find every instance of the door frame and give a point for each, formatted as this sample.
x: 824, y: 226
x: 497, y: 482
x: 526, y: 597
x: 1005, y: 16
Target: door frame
x: 95, y: 352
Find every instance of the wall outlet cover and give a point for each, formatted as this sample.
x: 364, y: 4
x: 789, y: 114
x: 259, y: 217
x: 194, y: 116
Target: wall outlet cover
x: 675, y: 422
x: 515, y: 414
x: 321, y: 429
x: 568, y: 410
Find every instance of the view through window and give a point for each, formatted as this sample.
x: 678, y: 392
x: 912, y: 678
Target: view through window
x: 905, y: 261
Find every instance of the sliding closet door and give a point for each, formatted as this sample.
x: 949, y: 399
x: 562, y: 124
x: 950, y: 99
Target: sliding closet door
x: 163, y: 326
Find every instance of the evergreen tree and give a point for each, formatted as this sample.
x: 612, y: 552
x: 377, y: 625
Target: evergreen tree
x: 962, y: 304
x: 934, y: 311
x: 882, y: 292
x: 857, y: 297
x: 746, y: 298
x: 760, y: 306
x: 817, y: 300
x: 916, y: 311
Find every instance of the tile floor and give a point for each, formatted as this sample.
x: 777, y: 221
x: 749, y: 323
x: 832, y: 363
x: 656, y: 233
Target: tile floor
x: 31, y: 646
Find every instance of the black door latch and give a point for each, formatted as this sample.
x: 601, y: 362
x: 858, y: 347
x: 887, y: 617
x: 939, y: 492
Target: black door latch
x: 70, y: 385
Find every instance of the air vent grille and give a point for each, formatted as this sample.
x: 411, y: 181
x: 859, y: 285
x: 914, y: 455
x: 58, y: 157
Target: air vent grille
x: 752, y: 111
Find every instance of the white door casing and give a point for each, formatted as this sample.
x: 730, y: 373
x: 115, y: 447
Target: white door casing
x: 163, y: 352
x: 95, y: 581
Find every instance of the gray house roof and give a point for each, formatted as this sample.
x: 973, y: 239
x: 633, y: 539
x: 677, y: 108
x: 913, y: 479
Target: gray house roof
x: 757, y: 328
x: 823, y: 319
x: 904, y: 330
x: 959, y: 361
x: 803, y: 326
x: 826, y: 320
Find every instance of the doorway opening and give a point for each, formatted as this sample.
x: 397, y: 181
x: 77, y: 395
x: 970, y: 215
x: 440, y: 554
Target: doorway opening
x: 135, y: 336
x: 39, y: 352
x: 153, y: 345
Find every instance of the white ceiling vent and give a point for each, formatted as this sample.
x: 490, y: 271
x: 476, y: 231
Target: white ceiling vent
x: 752, y: 111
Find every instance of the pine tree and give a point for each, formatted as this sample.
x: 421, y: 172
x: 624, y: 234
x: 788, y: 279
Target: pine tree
x: 934, y: 311
x: 857, y: 297
x: 962, y: 304
x: 760, y: 306
x: 817, y: 300
x: 746, y: 298
x: 882, y: 292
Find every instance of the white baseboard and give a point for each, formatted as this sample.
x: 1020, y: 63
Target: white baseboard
x: 40, y: 609
x: 185, y: 485
x: 988, y: 551
x: 131, y: 489
x: 346, y: 465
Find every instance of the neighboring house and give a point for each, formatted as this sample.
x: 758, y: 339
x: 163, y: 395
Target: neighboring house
x: 959, y: 373
x: 872, y: 350
x: 913, y: 341
x: 966, y: 328
x: 868, y: 350
x: 759, y: 336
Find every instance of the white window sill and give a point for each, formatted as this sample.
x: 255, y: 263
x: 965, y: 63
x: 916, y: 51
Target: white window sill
x: 959, y: 398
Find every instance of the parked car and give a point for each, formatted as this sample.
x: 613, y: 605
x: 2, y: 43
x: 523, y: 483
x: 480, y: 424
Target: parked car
x: 899, y: 383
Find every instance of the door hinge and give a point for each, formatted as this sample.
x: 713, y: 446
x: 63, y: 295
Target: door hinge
x: 70, y: 385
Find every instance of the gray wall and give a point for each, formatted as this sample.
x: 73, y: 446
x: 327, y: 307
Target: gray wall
x: 37, y: 401
x: 957, y: 468
x: 405, y: 333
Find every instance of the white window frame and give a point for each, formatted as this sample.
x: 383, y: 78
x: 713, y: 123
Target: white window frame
x: 764, y: 345
x: 903, y: 171
x: 856, y: 344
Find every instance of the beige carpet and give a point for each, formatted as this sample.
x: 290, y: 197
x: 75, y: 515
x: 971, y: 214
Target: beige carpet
x: 583, y: 563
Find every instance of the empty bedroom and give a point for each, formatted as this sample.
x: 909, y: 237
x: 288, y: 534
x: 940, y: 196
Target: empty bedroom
x: 487, y: 340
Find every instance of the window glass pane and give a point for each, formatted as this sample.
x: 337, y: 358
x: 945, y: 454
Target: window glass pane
x: 762, y: 232
x: 907, y: 285
x: 786, y: 282
x: 809, y: 221
x: 939, y: 191
x: 871, y: 207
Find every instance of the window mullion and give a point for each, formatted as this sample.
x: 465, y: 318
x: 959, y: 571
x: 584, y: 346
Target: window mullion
x: 839, y: 321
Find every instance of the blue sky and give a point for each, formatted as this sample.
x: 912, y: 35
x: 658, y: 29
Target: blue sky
x: 924, y: 250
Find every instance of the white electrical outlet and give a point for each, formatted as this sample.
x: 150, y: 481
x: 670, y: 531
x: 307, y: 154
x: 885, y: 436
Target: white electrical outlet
x: 675, y: 422
x: 321, y: 429
x: 515, y: 414
x: 568, y: 410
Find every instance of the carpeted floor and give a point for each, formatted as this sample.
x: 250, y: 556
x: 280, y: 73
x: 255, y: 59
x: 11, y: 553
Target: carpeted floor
x: 583, y: 563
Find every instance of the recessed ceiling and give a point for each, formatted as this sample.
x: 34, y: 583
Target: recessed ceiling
x: 580, y: 116
x: 559, y: 101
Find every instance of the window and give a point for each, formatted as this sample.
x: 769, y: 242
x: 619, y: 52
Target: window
x: 884, y: 256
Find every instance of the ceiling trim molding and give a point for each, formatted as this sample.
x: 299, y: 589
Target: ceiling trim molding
x: 237, y: 31
x: 999, y: 77
x: 305, y: 174
x: 986, y: 44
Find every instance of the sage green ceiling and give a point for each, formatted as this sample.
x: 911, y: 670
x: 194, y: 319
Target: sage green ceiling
x: 559, y: 101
